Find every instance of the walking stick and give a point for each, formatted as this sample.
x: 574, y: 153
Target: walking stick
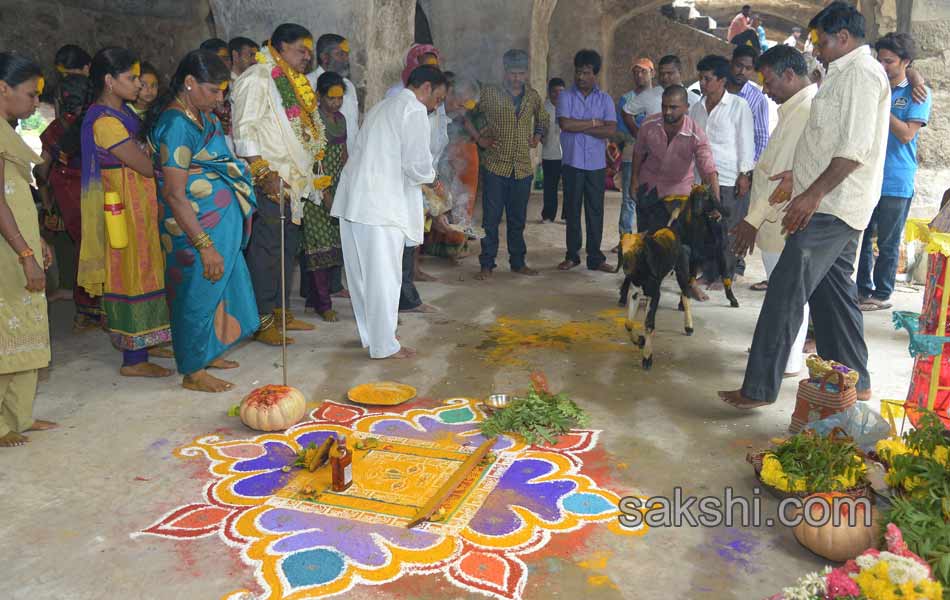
x: 283, y: 289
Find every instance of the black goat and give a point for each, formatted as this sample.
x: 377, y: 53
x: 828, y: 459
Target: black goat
x: 675, y: 231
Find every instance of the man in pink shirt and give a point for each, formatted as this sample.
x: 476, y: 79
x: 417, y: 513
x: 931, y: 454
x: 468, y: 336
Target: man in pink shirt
x: 668, y: 148
x: 742, y: 22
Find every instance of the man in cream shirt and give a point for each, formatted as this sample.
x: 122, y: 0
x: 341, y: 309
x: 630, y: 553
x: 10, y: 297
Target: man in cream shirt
x: 785, y: 74
x: 834, y: 184
x: 379, y: 204
x: 281, y: 157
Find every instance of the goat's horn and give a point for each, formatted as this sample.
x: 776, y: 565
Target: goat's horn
x: 676, y: 213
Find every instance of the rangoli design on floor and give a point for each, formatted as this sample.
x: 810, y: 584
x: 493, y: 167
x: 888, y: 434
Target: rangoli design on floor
x: 306, y: 547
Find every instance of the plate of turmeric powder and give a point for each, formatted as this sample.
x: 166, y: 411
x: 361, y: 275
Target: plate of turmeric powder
x: 381, y: 393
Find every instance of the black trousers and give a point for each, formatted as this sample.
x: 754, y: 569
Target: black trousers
x: 815, y: 267
x: 508, y: 196
x: 552, y: 179
x: 408, y: 294
x: 584, y: 189
x: 263, y: 254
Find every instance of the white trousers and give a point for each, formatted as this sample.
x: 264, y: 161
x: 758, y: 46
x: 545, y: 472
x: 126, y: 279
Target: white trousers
x: 372, y: 256
x: 795, y: 357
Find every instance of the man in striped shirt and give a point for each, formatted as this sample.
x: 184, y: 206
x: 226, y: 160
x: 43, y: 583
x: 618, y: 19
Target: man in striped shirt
x: 742, y: 68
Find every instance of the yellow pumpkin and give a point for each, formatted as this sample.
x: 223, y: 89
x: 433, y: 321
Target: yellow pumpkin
x: 273, y: 408
x: 837, y: 542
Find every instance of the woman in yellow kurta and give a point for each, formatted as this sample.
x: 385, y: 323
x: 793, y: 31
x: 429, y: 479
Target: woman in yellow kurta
x: 24, y: 328
x: 130, y: 279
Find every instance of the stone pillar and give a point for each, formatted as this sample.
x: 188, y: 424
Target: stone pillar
x: 380, y: 32
x: 930, y: 26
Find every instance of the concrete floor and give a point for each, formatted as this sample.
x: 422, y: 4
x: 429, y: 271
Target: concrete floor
x: 71, y: 498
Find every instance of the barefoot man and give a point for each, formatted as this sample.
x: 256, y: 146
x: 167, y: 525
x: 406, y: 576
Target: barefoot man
x: 379, y: 204
x: 834, y: 184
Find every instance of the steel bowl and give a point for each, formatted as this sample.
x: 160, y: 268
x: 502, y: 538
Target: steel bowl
x: 497, y: 401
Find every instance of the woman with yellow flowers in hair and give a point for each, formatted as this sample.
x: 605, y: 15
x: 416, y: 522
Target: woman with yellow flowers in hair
x: 206, y: 201
x: 322, y: 249
x: 123, y: 262
x: 24, y: 328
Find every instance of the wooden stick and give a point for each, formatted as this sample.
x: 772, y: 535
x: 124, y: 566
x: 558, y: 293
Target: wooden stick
x: 452, y: 483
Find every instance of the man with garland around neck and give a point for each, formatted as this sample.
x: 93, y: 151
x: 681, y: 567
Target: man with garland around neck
x: 278, y: 131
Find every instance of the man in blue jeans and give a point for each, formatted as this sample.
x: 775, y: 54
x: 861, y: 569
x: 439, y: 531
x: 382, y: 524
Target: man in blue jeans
x: 895, y: 52
x: 516, y: 122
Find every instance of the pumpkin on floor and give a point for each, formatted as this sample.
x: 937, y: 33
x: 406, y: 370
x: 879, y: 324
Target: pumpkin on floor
x: 273, y: 408
x: 838, y: 539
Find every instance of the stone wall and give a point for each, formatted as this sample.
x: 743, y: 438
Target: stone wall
x: 162, y: 31
x: 654, y: 36
x: 930, y: 26
x: 472, y: 38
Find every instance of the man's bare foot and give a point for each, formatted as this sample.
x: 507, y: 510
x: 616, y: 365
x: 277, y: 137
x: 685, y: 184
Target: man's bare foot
x: 404, y: 352
x: 483, y: 275
x: 737, y: 400
x: 421, y: 275
x: 809, y: 347
x: 696, y: 293
x: 220, y: 363
x: 145, y: 369
x: 604, y: 268
x: 13, y: 439
x: 525, y: 271
x: 161, y: 352
x: 202, y: 381
x: 864, y: 395
x: 341, y: 294
x: 41, y: 425
x: 715, y: 286
x: 422, y: 308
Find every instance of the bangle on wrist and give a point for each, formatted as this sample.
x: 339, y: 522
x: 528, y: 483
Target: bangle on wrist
x: 22, y: 255
x: 202, y: 241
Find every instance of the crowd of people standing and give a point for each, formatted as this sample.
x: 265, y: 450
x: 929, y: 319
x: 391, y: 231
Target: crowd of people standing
x: 184, y: 198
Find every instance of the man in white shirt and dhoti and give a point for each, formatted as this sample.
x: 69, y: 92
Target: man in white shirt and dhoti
x: 835, y: 183
x: 380, y: 206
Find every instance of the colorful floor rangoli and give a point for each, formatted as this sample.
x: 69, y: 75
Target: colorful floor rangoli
x: 314, y: 547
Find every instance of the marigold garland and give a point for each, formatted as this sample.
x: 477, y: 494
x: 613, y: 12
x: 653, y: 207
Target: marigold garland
x: 299, y: 100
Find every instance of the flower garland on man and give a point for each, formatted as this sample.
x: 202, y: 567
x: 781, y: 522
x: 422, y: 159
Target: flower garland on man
x: 278, y: 130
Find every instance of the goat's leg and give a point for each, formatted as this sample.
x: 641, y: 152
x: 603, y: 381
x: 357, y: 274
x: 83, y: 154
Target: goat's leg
x: 624, y: 292
x: 650, y: 325
x: 682, y: 272
x: 727, y: 267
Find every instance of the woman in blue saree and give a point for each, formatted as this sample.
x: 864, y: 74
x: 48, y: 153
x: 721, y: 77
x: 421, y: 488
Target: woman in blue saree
x: 205, y: 204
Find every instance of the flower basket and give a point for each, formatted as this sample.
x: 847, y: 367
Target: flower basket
x: 836, y: 436
x: 755, y: 459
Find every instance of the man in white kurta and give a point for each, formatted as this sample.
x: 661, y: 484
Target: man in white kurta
x: 785, y: 73
x: 380, y: 207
